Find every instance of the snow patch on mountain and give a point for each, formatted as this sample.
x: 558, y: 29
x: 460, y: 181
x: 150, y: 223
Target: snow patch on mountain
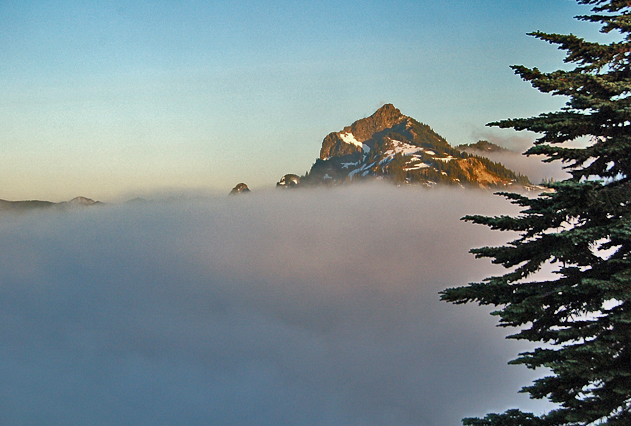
x: 402, y: 148
x: 415, y: 166
x: 347, y: 165
x: 364, y: 170
x: 405, y: 149
x: 348, y: 137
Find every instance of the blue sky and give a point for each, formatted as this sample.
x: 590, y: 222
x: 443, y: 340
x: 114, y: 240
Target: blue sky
x: 110, y: 99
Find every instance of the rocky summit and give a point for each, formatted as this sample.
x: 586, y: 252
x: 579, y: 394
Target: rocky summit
x: 391, y: 146
x: 289, y: 181
x: 240, y: 188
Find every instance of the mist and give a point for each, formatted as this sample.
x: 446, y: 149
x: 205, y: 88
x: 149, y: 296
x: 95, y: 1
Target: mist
x: 513, y: 158
x: 280, y: 308
x: 532, y: 166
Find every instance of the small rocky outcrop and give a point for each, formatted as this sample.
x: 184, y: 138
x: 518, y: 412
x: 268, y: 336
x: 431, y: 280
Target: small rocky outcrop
x: 83, y: 201
x: 241, y: 188
x: 288, y: 181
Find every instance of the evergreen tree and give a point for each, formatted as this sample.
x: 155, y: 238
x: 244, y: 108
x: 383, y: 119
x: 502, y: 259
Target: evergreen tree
x: 580, y: 319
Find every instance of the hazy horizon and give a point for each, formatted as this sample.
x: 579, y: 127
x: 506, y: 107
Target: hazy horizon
x: 513, y: 159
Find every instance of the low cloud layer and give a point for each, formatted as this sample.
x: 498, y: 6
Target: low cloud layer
x: 304, y: 308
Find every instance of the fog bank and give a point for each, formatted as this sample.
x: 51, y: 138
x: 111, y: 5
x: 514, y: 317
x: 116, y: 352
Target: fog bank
x: 281, y: 308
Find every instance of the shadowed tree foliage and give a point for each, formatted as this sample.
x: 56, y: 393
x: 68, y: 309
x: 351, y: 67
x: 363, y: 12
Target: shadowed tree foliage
x: 581, y: 318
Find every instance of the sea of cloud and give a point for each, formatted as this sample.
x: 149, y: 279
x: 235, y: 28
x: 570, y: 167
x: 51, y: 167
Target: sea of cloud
x: 279, y: 308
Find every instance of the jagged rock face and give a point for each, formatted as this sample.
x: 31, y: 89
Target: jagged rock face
x: 288, y: 181
x: 351, y: 139
x: 385, y: 117
x: 390, y: 145
x: 239, y: 189
x: 334, y: 146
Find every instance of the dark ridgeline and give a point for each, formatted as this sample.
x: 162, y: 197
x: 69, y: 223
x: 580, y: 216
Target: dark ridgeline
x: 24, y: 206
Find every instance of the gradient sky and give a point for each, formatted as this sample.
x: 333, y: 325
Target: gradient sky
x: 111, y: 99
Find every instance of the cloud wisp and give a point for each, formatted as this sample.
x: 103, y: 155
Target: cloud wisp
x: 532, y: 166
x: 279, y: 308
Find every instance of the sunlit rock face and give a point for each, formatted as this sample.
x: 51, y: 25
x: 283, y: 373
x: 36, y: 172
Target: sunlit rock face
x: 351, y: 139
x: 240, y: 189
x: 288, y: 181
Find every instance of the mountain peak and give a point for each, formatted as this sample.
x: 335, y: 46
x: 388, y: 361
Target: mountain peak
x: 351, y: 139
x: 390, y: 145
x: 384, y: 118
x: 387, y: 110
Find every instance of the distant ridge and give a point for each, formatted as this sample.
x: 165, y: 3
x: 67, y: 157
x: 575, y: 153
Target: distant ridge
x: 23, y: 206
x: 481, y: 147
